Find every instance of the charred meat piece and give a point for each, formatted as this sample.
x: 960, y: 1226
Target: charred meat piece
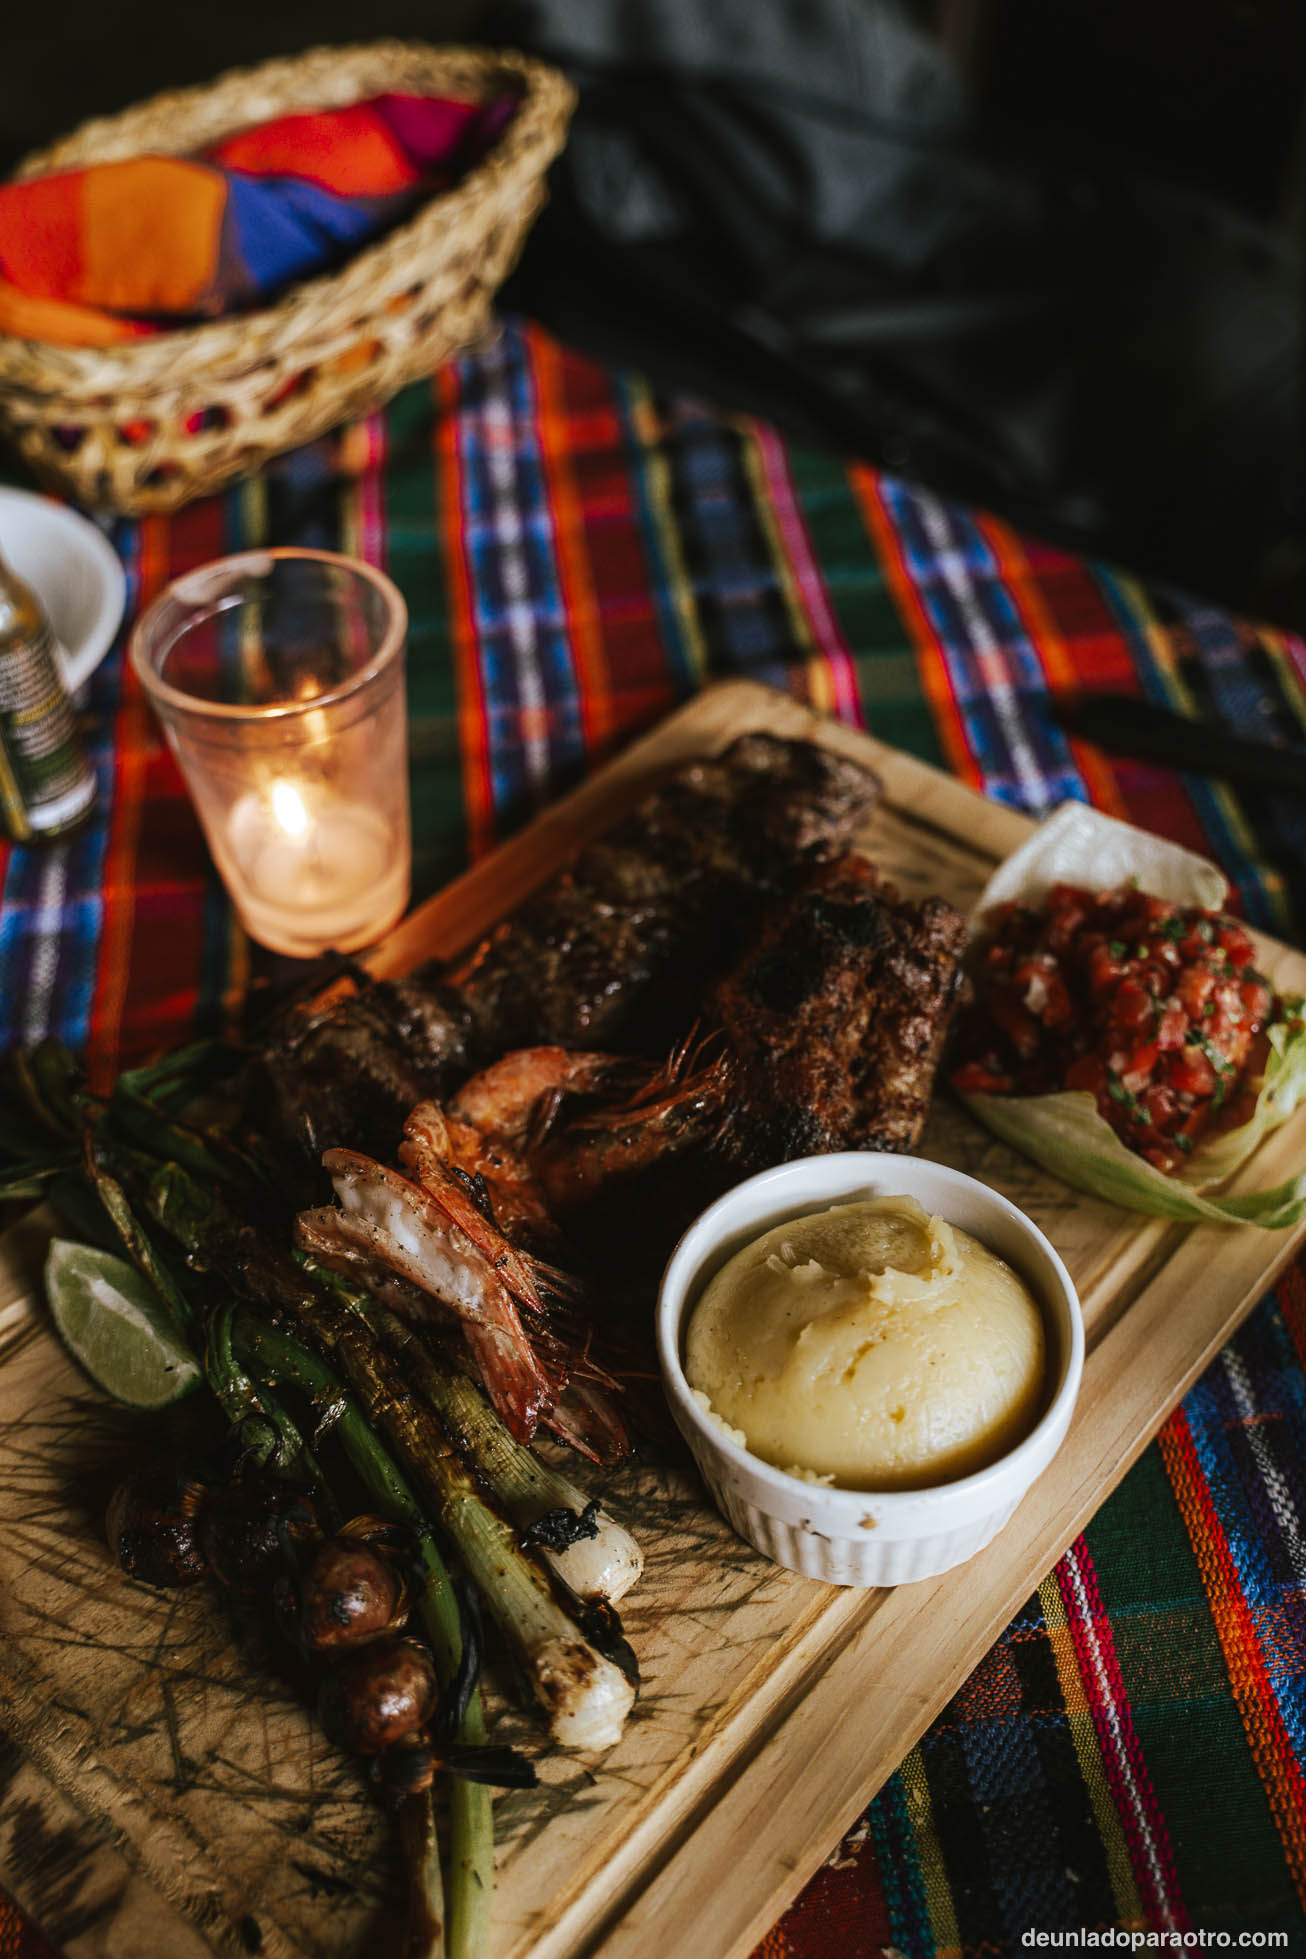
x: 612, y: 952
x: 651, y: 909
x: 354, y: 1068
x: 835, y: 1019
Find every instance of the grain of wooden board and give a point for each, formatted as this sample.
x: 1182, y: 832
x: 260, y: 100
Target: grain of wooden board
x: 163, y: 1797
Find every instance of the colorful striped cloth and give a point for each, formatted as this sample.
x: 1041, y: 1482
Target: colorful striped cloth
x: 578, y: 555
x: 119, y: 249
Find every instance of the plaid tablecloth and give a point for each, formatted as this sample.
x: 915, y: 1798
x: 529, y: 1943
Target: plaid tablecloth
x: 579, y: 555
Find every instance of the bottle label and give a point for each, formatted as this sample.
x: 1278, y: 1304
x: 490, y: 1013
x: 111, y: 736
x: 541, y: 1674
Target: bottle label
x: 46, y: 783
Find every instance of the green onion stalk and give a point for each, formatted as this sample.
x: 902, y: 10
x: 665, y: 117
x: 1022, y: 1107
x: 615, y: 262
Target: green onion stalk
x: 585, y: 1691
x: 276, y: 1357
x: 195, y: 1218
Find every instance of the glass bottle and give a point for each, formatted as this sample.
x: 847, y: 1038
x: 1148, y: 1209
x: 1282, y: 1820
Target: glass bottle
x: 47, y: 786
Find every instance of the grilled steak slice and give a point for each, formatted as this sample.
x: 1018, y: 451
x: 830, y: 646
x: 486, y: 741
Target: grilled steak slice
x: 835, y: 1019
x: 620, y: 945
x: 613, y: 952
x: 355, y: 1069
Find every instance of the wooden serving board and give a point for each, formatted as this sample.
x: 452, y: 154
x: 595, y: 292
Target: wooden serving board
x: 162, y: 1798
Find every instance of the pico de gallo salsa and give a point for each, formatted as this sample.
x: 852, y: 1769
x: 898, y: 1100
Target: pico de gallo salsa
x: 1154, y: 1008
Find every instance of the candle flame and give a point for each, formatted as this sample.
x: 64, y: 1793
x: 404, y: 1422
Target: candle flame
x: 288, y: 808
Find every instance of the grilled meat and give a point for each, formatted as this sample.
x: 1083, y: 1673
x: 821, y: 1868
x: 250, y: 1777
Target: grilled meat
x: 354, y: 1068
x: 835, y: 1019
x: 655, y: 905
x: 612, y: 952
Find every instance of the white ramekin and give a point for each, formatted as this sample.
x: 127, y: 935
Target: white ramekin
x: 867, y: 1537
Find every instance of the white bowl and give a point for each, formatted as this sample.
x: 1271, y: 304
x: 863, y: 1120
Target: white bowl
x: 74, y: 571
x: 867, y: 1537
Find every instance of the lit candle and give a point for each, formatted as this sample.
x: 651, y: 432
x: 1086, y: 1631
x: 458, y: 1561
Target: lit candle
x: 313, y: 870
x: 278, y: 677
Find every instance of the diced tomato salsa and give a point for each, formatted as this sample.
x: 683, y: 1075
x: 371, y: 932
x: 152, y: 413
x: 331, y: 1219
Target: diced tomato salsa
x: 1154, y: 1008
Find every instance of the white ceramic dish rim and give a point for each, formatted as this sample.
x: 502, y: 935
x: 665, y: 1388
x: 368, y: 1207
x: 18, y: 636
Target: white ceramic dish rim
x: 79, y: 534
x: 987, y: 1487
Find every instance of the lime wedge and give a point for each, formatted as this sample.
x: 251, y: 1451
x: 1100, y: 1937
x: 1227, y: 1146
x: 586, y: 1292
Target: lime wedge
x: 113, y: 1321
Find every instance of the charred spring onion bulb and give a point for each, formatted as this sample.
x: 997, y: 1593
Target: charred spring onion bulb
x: 602, y: 1560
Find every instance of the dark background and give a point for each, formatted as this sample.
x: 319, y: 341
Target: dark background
x: 1043, y: 256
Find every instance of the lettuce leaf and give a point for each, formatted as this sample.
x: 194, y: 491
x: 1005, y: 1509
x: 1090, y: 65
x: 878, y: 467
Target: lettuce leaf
x: 1064, y: 1132
x: 1066, y: 1135
x: 1079, y: 845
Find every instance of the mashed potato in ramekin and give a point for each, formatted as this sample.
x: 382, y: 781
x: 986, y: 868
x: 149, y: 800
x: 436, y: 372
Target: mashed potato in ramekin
x: 872, y: 1345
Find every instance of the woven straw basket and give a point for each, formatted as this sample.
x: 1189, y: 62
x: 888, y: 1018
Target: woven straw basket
x: 149, y: 424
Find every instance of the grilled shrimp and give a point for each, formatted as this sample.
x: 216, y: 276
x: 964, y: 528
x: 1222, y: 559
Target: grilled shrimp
x: 555, y: 1164
x: 385, y: 1216
x: 517, y: 1098
x: 586, y: 1419
x: 464, y: 1168
x: 679, y: 1106
x: 488, y: 1175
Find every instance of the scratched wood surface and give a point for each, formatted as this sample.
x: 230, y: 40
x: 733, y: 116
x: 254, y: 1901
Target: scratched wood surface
x: 160, y: 1796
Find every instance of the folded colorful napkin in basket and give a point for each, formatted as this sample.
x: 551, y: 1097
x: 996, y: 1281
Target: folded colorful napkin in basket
x: 136, y: 246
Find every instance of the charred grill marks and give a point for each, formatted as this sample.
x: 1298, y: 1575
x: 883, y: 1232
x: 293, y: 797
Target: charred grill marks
x: 835, y: 1018
x: 645, y: 914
